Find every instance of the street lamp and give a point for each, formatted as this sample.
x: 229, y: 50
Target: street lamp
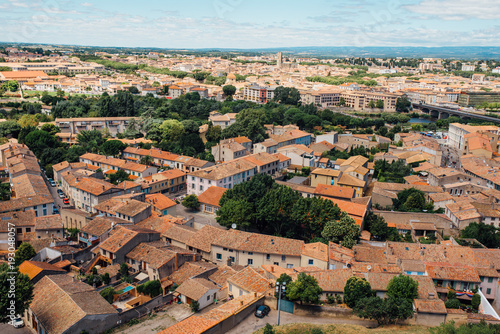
x: 280, y: 289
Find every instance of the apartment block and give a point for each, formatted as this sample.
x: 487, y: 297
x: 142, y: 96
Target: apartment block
x: 115, y: 125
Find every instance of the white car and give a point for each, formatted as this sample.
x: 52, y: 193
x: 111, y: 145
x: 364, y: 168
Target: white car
x: 17, y: 322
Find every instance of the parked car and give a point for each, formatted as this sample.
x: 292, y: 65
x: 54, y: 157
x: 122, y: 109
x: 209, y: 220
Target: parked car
x: 55, y: 211
x: 52, y: 183
x: 17, y: 322
x: 262, y: 311
x: 61, y: 195
x: 66, y: 201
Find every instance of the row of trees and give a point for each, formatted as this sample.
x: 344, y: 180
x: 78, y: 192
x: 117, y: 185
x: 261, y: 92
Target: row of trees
x: 262, y: 205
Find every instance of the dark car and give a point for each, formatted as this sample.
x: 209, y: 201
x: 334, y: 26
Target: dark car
x: 262, y: 311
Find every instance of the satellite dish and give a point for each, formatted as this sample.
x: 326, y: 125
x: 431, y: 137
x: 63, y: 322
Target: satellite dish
x: 368, y: 268
x: 233, y: 226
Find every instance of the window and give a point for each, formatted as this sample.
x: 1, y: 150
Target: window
x: 268, y: 256
x: 488, y: 291
x: 28, y: 229
x: 283, y: 257
x: 208, y: 297
x: 490, y: 279
x: 19, y: 231
x: 311, y: 262
x: 219, y: 256
x: 224, y: 248
x: 231, y: 258
x: 482, y: 279
x: 250, y: 262
x: 192, y: 186
x: 230, y: 251
x: 250, y: 253
x: 289, y: 266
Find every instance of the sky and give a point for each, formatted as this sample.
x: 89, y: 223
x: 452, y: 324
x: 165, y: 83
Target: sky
x: 251, y: 23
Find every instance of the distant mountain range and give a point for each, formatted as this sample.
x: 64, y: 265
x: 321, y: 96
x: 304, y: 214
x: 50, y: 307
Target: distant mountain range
x: 457, y: 52
x: 461, y: 52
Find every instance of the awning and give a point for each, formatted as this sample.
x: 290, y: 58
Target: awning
x: 141, y: 276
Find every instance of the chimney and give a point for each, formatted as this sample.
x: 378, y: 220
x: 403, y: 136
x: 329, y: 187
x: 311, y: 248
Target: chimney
x: 194, y: 257
x: 272, y: 269
x: 241, y: 302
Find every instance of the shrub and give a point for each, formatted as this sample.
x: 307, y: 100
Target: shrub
x: 452, y: 303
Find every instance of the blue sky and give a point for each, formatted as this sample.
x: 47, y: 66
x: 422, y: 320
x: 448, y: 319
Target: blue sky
x: 252, y: 24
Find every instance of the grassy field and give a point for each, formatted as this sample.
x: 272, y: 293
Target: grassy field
x: 345, y: 329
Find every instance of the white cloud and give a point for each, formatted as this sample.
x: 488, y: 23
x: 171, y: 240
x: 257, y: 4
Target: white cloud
x: 454, y: 10
x: 86, y: 4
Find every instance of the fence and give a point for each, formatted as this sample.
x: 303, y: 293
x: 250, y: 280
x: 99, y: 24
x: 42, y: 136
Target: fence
x: 145, y: 308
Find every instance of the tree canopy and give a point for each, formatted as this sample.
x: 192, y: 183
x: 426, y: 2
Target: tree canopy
x: 23, y: 253
x: 355, y: 289
x: 343, y: 231
x: 22, y: 297
x: 305, y: 288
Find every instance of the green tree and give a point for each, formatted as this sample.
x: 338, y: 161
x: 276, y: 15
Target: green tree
x: 402, y: 287
x: 355, y: 289
x: 229, y: 90
x: 275, y: 210
x: 50, y: 128
x: 213, y: 134
x: 151, y: 288
x: 380, y: 104
x: 195, y: 306
x: 133, y: 90
x: 119, y: 176
x: 486, y: 234
x: 11, y: 86
x: 452, y: 303
x: 24, y: 253
x: 27, y: 120
x: 191, y: 202
x: 9, y: 129
x: 106, y: 279
x: 236, y: 211
x: 305, y: 289
x: 475, y: 301
x: 147, y: 160
x: 342, y: 102
x: 384, y: 311
x: 313, y: 214
x: 172, y: 129
x: 287, y: 95
x: 403, y: 104
x: 90, y: 140
x: 124, y: 270
x: 108, y: 293
x: 343, y: 231
x: 372, y: 104
x: 112, y: 147
x: 21, y: 299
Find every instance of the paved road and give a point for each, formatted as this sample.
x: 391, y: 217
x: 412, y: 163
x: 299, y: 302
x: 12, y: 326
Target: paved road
x: 252, y: 323
x: 8, y: 329
x: 53, y: 191
x: 199, y: 217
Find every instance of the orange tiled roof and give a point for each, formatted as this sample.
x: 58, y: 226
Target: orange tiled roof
x: 33, y: 268
x: 212, y: 196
